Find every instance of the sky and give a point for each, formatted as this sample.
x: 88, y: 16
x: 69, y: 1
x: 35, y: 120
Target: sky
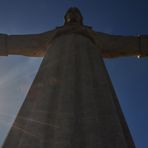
x: 129, y: 75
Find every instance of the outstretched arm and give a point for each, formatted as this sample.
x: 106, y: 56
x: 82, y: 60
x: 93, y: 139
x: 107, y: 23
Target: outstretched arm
x: 27, y: 45
x: 116, y: 46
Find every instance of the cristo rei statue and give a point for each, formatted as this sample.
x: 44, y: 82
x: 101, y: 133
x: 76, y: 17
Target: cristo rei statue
x: 71, y: 103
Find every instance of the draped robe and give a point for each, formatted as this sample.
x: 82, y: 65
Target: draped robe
x: 71, y: 103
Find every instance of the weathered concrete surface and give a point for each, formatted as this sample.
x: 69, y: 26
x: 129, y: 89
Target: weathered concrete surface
x: 71, y: 103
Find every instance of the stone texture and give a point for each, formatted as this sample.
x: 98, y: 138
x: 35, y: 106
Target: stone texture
x: 71, y: 103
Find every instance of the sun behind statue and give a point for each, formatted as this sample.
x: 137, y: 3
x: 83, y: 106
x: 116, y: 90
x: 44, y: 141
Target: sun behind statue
x: 73, y: 16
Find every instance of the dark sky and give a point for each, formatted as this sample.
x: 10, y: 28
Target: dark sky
x: 129, y: 75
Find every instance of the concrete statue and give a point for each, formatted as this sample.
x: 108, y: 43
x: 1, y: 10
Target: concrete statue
x: 71, y: 103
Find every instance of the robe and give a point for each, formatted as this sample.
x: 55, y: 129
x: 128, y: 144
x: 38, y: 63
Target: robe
x: 71, y: 103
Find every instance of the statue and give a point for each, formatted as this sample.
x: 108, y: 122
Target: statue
x: 71, y: 103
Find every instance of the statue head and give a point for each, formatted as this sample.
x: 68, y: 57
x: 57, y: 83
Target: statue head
x: 73, y: 16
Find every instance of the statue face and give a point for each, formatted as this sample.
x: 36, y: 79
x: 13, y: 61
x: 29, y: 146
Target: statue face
x: 73, y: 16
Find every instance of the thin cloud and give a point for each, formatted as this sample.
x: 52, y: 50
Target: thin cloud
x: 13, y: 89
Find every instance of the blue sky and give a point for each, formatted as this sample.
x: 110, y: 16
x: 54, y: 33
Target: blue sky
x: 129, y: 75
